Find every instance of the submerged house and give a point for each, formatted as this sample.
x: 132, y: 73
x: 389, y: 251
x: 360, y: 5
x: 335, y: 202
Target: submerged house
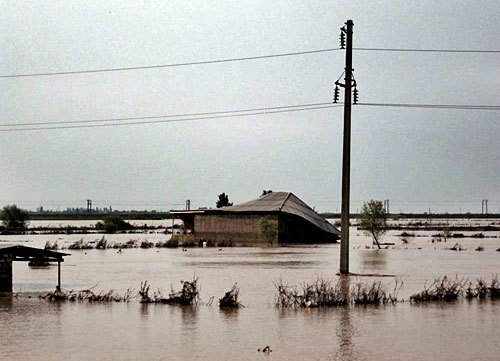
x: 242, y: 224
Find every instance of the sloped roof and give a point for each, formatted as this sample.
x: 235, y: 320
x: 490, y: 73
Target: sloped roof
x: 283, y: 202
x: 24, y: 251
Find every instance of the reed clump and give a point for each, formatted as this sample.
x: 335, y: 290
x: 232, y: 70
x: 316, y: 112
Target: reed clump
x: 230, y: 298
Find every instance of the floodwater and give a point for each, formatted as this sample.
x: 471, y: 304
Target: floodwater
x: 34, y: 329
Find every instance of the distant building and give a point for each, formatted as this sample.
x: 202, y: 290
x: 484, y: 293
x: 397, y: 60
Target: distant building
x: 240, y: 224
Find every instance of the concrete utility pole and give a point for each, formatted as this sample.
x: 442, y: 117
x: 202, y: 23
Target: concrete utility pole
x: 346, y: 158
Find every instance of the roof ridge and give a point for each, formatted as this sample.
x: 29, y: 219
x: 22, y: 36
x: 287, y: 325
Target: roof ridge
x: 282, y: 204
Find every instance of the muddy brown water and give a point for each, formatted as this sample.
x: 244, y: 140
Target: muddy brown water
x: 33, y: 329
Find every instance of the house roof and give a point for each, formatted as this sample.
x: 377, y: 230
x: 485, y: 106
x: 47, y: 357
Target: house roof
x: 283, y: 202
x: 28, y: 252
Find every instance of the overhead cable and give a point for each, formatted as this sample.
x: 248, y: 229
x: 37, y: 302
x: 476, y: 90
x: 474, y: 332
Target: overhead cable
x: 170, y: 120
x: 203, y: 62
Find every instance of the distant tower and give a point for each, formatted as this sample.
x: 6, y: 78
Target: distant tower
x: 188, y: 204
x: 484, y: 206
x: 386, y: 206
x: 89, y: 205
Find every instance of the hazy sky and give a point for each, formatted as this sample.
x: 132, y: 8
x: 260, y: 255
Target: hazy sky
x: 417, y: 158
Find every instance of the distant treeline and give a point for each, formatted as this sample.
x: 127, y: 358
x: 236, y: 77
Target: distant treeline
x: 151, y: 215
x: 132, y: 215
x: 422, y: 215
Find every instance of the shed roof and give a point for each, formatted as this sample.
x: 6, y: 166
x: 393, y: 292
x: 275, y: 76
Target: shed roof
x: 27, y: 252
x: 283, y: 202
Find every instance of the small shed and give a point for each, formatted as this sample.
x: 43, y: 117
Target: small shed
x: 11, y: 253
x: 240, y: 224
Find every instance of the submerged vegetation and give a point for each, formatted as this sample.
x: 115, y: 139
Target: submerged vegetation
x: 441, y: 289
x: 320, y: 292
x: 188, y: 295
x: 323, y: 292
x: 113, y: 223
x: 51, y: 246
x: 80, y: 244
x: 230, y: 298
x: 446, y: 289
x: 88, y: 295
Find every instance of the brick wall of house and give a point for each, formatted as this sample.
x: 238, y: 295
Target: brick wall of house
x: 235, y: 229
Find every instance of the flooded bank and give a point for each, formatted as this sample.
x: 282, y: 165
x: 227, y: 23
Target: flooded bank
x: 33, y: 329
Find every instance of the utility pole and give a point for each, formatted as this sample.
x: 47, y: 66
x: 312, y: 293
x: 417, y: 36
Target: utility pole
x: 346, y: 158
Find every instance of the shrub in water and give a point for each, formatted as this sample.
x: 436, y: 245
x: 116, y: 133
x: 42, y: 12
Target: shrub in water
x: 230, y: 299
x: 102, y: 243
x: 51, y: 245
x: 80, y: 244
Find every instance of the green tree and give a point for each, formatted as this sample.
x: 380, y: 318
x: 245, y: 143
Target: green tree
x: 223, y: 201
x: 14, y: 218
x: 373, y: 220
x: 268, y: 229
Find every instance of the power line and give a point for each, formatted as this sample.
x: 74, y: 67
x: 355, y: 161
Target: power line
x: 430, y: 50
x: 163, y: 115
x: 228, y: 60
x: 227, y: 114
x: 170, y: 120
x: 434, y: 106
x: 203, y: 62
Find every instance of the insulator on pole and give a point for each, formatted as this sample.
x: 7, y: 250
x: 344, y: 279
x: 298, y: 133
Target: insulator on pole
x: 336, y: 94
x: 355, y: 94
x: 342, y: 39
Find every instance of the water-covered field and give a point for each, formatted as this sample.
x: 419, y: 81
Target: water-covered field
x: 34, y: 329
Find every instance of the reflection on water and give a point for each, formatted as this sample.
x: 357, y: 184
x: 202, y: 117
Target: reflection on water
x: 374, y: 260
x: 345, y: 330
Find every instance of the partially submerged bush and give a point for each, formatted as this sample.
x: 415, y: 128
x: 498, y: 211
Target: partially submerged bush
x: 146, y: 244
x: 374, y: 294
x: 480, y: 248
x: 88, y: 295
x: 457, y: 247
x: 442, y: 289
x: 171, y: 243
x: 102, y: 243
x: 51, y: 245
x: 113, y: 223
x: 495, y: 288
x: 320, y: 292
x: 480, y: 290
x: 230, y: 298
x: 80, y: 244
x: 188, y: 295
